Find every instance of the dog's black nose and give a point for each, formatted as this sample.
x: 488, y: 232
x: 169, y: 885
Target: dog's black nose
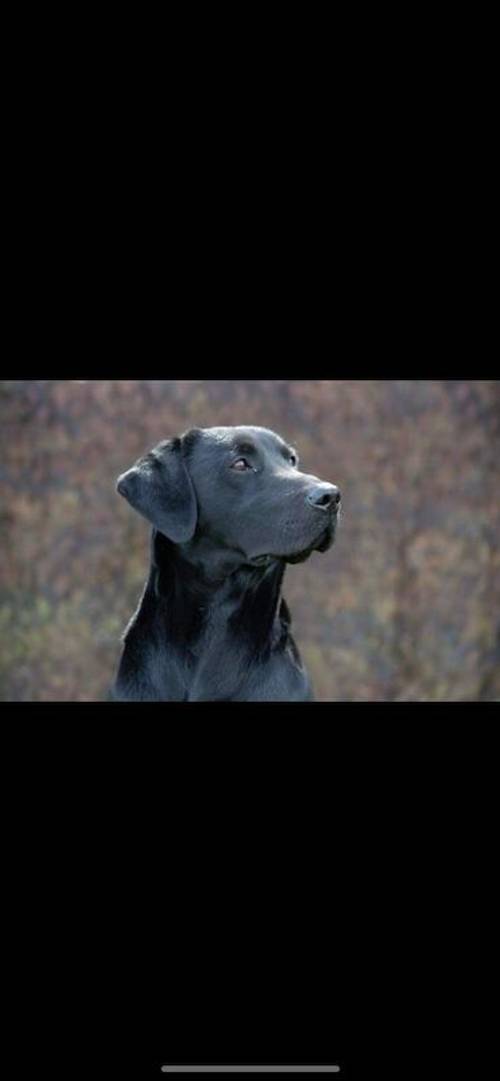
x: 324, y: 496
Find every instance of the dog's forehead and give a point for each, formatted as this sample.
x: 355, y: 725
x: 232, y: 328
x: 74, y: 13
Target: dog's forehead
x: 244, y: 433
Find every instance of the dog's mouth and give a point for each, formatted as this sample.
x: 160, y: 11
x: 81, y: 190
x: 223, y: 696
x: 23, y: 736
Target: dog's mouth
x: 321, y: 544
x: 327, y: 538
x: 324, y: 542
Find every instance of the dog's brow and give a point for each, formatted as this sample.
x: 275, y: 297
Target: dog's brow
x: 243, y: 448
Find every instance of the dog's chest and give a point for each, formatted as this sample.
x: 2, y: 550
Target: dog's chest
x: 214, y: 664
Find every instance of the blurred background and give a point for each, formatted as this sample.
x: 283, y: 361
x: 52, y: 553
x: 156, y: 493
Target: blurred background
x: 405, y: 606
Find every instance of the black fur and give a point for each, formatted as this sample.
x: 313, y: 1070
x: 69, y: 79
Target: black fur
x: 211, y: 624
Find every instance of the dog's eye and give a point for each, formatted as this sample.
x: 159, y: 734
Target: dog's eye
x: 293, y: 459
x: 240, y: 464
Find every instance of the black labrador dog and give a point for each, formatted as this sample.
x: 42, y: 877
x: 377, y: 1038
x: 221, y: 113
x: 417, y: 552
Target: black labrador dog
x: 229, y: 509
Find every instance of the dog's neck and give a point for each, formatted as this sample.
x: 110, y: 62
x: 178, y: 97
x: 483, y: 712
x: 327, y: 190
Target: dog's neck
x: 195, y: 589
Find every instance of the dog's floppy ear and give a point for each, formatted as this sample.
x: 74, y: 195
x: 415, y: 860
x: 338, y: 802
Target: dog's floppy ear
x: 159, y: 487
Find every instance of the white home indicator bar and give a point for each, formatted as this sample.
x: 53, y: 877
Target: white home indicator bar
x: 251, y: 1069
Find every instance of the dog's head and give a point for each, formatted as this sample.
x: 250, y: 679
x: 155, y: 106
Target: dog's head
x: 238, y: 489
